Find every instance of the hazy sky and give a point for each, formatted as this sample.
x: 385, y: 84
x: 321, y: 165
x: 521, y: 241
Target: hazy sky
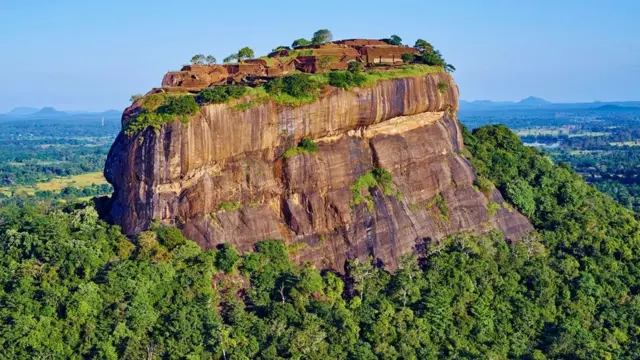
x: 93, y: 55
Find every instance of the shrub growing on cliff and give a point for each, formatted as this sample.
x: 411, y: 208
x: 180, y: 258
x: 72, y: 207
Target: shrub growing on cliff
x: 442, y: 87
x: 377, y: 177
x: 408, y: 58
x: 347, y: 79
x: 324, y: 63
x: 306, y: 145
x: 152, y: 102
x: 295, y: 85
x: 355, y: 67
x: 180, y: 105
x: 339, y: 79
x: 159, y: 109
x: 221, y: 94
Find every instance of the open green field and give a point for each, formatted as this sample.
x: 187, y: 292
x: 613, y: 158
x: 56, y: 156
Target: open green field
x: 559, y: 131
x: 57, y: 184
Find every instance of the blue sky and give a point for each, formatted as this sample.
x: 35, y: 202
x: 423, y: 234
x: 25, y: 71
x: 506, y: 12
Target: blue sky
x: 93, y: 55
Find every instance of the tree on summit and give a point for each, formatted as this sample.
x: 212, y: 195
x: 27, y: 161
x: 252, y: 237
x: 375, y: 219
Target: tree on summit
x: 423, y: 46
x: 300, y: 42
x: 201, y: 59
x: 245, y: 53
x: 242, y: 54
x: 394, y: 40
x: 322, y: 36
x: 210, y: 59
x: 198, y: 59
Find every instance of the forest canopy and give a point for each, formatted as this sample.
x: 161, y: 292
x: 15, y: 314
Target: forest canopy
x: 72, y: 286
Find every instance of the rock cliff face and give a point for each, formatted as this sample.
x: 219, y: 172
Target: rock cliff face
x: 222, y: 176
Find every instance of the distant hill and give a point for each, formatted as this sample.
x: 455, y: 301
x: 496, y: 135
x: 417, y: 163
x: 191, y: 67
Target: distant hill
x: 532, y: 100
x: 613, y: 107
x: 49, y: 112
x: 22, y: 111
x: 534, y: 103
x: 112, y: 113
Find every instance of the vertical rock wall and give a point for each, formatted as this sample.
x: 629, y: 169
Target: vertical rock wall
x: 222, y: 177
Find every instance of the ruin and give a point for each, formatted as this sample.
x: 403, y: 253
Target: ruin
x: 310, y: 59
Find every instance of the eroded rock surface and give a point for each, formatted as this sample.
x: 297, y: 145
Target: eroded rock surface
x: 222, y: 177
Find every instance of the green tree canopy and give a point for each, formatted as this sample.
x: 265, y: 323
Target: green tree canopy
x: 198, y: 59
x: 394, y: 40
x: 423, y: 46
x: 245, y: 53
x: 300, y: 42
x: 321, y: 36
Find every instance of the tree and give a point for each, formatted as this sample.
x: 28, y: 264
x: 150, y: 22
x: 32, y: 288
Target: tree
x: 394, y: 40
x: 355, y: 67
x: 226, y: 258
x: 300, y: 42
x: 198, y: 59
x: 434, y: 58
x: 408, y: 58
x: 135, y: 97
x: 324, y: 63
x: 245, y: 53
x: 449, y: 68
x: 522, y: 196
x: 210, y: 59
x: 322, y: 36
x: 423, y: 46
x: 230, y: 58
x: 281, y: 47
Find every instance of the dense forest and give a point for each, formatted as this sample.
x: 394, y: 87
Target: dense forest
x: 601, y: 144
x: 72, y: 286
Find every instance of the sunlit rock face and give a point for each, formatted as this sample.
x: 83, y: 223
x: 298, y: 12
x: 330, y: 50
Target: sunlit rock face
x: 222, y: 176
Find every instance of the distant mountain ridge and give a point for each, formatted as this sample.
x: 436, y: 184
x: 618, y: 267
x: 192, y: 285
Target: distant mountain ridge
x: 24, y: 112
x: 533, y: 102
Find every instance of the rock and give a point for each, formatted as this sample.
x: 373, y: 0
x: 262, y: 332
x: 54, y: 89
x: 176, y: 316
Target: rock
x: 224, y: 158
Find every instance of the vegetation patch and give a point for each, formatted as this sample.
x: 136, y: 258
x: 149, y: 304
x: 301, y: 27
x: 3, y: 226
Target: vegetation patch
x: 221, y: 94
x: 492, y: 209
x: 443, y: 87
x: 346, y: 79
x: 305, y: 146
x: 380, y: 178
x: 296, y: 89
x: 484, y: 185
x: 229, y: 206
x: 159, y: 109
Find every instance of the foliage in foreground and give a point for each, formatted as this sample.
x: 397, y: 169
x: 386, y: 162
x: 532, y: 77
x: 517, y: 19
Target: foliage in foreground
x: 73, y: 287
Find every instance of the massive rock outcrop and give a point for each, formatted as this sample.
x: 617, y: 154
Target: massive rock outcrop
x: 222, y: 176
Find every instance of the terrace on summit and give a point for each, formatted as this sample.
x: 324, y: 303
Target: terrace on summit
x: 312, y: 59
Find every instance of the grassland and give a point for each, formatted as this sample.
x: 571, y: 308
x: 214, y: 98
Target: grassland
x: 556, y: 131
x: 57, y: 184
